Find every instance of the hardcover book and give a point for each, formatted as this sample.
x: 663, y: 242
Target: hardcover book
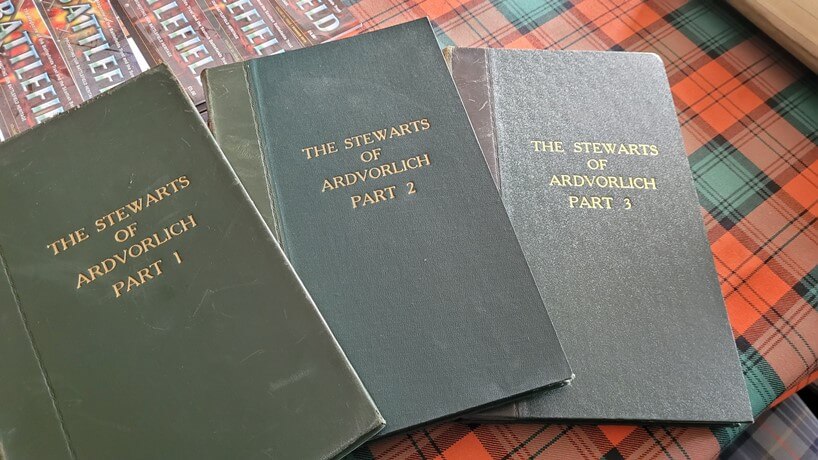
x: 361, y: 158
x: 587, y: 153
x: 147, y: 311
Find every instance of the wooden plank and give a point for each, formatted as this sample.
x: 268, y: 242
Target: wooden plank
x: 792, y: 23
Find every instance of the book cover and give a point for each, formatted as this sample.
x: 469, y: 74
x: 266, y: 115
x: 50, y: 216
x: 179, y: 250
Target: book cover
x: 35, y: 83
x: 147, y: 310
x: 92, y: 42
x: 29, y: 421
x: 192, y: 35
x: 587, y: 153
x: 361, y: 158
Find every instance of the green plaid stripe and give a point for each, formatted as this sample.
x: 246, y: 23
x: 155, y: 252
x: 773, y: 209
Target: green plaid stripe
x: 763, y: 382
x: 729, y: 185
x: 527, y: 15
x: 707, y: 25
x: 798, y: 104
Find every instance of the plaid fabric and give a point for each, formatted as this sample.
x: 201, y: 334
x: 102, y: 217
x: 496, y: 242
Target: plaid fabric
x: 789, y: 430
x: 749, y: 114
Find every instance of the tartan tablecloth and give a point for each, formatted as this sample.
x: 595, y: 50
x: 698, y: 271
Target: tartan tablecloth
x: 749, y: 114
x: 788, y: 431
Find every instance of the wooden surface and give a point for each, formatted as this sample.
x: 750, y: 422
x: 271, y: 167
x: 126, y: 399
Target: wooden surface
x: 792, y: 23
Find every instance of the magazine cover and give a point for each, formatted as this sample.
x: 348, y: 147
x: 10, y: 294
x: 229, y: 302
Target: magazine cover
x: 35, y: 83
x: 54, y: 54
x: 93, y: 43
x: 191, y: 35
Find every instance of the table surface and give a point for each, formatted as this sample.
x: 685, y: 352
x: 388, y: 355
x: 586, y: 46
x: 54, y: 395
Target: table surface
x: 749, y: 115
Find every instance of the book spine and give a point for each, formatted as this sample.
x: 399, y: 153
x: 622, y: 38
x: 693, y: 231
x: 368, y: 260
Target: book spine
x: 234, y: 123
x: 473, y: 73
x: 30, y: 421
x: 471, y: 70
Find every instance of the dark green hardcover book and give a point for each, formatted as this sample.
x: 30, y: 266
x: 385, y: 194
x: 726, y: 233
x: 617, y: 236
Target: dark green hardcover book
x: 29, y: 423
x: 588, y: 155
x: 360, y: 155
x: 147, y: 312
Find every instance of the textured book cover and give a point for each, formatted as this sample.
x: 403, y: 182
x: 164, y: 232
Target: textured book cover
x: 35, y: 83
x: 361, y: 157
x: 147, y: 311
x: 192, y: 35
x: 92, y: 42
x: 587, y: 152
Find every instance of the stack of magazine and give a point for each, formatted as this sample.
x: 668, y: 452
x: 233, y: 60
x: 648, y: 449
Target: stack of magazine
x: 55, y: 54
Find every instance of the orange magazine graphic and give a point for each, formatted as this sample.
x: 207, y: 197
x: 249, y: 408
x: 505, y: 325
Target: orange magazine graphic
x: 317, y: 21
x: 192, y: 35
x: 178, y: 33
x: 93, y: 43
x: 253, y: 27
x: 35, y: 83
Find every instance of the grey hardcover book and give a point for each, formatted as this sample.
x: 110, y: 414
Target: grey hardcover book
x: 360, y: 155
x: 587, y: 152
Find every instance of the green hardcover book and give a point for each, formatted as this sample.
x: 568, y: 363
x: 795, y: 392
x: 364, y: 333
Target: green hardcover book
x: 360, y: 155
x: 146, y: 311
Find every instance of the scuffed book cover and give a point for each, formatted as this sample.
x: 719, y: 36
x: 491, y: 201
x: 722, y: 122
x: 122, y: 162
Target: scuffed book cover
x: 35, y: 83
x: 587, y: 152
x: 92, y: 42
x: 361, y: 158
x: 29, y: 421
x: 147, y: 310
x: 192, y: 35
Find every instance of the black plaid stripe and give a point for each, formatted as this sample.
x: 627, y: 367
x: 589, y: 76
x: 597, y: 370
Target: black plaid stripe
x: 699, y: 20
x: 798, y: 104
x: 807, y: 288
x: 527, y: 15
x: 787, y: 431
x: 730, y: 186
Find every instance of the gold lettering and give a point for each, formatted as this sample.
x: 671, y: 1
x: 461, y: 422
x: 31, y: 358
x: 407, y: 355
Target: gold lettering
x: 143, y: 275
x: 405, y: 129
x: 316, y: 151
x: 81, y: 280
x: 72, y: 239
x: 162, y: 192
x: 136, y: 206
x: 376, y: 172
x: 373, y: 197
x: 136, y: 250
x: 382, y: 134
x: 590, y: 202
x: 548, y: 146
